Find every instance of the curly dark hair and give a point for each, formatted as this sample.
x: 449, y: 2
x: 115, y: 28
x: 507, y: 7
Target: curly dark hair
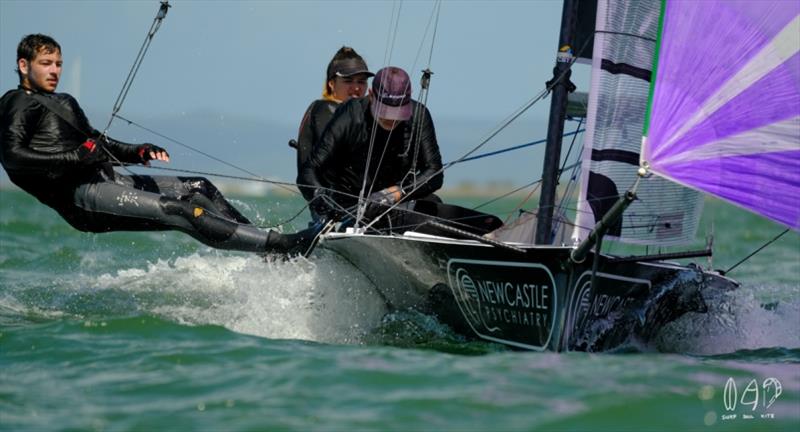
x: 33, y: 44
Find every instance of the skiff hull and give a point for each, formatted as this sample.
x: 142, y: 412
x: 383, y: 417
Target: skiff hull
x: 531, y: 299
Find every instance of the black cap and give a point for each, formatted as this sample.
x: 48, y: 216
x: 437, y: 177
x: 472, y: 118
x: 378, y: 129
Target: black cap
x: 348, y: 67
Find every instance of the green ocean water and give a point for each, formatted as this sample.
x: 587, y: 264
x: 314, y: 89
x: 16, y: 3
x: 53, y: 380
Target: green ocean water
x: 153, y: 331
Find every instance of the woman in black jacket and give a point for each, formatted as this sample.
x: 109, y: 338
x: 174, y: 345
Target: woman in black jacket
x: 345, y: 78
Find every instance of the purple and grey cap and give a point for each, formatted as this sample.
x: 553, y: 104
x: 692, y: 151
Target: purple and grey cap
x: 391, y: 90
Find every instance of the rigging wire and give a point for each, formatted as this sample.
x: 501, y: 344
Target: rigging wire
x: 560, y: 208
x: 367, y: 191
x: 255, y: 177
x: 516, y: 147
x: 756, y: 251
x: 390, y: 40
x: 503, y: 125
x: 126, y: 86
x: 574, y: 166
x: 289, y: 185
x: 415, y: 137
x: 512, y: 192
x: 517, y: 113
x: 212, y: 174
x: 391, y: 37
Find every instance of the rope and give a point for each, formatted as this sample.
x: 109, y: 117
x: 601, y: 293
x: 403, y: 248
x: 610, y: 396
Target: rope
x: 514, y: 115
x: 756, y: 251
x: 508, y: 149
x: 126, y: 86
x: 560, y: 208
x: 255, y: 177
x: 366, y: 191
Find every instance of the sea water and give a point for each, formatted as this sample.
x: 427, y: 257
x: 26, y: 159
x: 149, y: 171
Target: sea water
x: 154, y: 331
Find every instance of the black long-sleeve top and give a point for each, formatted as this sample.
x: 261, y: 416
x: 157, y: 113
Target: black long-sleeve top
x: 317, y: 116
x: 338, y: 160
x: 40, y: 151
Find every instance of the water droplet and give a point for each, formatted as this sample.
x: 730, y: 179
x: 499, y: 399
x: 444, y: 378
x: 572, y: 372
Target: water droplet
x: 706, y: 392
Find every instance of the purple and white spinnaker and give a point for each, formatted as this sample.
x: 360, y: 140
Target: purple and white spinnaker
x: 725, y: 108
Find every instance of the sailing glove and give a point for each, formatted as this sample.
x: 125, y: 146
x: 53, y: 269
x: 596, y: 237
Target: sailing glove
x: 386, y: 196
x: 88, y: 152
x: 146, y: 150
x: 323, y: 204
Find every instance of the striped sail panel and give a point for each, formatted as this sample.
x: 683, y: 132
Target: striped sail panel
x: 665, y: 213
x: 725, y: 110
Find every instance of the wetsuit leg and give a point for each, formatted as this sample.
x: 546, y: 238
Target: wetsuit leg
x: 217, y: 231
x: 197, y: 190
x: 121, y: 206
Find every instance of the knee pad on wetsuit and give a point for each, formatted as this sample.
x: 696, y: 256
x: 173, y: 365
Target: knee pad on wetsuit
x: 207, y: 224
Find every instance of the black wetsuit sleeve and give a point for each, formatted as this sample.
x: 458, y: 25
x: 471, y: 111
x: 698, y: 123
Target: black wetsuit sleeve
x: 429, y: 161
x: 305, y: 142
x: 305, y: 136
x: 128, y: 153
x: 20, y: 119
x: 316, y: 118
x: 335, y: 135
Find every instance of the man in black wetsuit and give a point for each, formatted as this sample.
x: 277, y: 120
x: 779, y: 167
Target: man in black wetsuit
x: 49, y: 149
x: 385, y: 142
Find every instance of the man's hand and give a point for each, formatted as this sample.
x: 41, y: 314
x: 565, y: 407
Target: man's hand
x: 322, y: 203
x: 89, y: 152
x: 148, y: 152
x: 387, y: 197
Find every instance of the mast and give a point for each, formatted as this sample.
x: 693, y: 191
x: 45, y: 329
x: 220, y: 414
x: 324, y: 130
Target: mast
x: 555, y: 128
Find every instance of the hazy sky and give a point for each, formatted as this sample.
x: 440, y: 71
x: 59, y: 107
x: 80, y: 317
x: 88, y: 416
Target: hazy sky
x: 234, y: 78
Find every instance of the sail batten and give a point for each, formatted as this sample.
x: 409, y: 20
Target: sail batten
x: 665, y: 213
x: 725, y: 107
x: 736, y: 182
x: 774, y: 137
x: 776, y: 52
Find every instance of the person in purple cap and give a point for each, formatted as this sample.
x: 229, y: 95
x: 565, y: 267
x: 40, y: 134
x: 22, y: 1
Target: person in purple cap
x: 386, y: 143
x: 345, y: 78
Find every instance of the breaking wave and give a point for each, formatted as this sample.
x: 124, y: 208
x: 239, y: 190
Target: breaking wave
x: 324, y: 301
x: 748, y: 318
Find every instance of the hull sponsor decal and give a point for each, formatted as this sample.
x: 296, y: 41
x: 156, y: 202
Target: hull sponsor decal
x: 508, y: 302
x: 589, y: 304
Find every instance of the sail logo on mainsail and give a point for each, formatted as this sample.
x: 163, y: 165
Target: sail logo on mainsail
x: 500, y: 299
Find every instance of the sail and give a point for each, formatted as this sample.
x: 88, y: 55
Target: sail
x: 624, y: 46
x: 725, y: 110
